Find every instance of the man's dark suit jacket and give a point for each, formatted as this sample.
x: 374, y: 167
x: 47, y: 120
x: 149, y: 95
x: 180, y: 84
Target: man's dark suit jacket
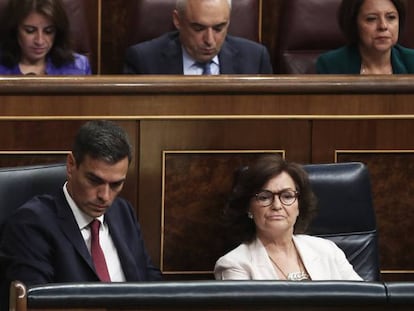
x: 44, y: 243
x: 163, y: 55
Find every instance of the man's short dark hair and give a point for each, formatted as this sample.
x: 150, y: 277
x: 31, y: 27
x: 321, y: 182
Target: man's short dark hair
x: 101, y: 139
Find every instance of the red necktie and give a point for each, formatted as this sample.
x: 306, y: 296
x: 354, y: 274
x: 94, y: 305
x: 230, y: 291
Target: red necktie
x: 97, y: 253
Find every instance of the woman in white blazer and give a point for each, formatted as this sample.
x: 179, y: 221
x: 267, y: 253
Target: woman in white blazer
x: 270, y: 208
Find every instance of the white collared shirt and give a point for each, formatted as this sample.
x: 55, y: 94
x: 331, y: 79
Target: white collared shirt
x: 190, y: 66
x: 107, y: 244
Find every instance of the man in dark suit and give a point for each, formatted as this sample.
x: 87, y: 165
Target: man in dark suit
x: 199, y: 46
x: 49, y: 238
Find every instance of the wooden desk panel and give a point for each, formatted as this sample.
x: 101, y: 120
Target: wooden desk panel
x: 307, y: 118
x: 228, y: 97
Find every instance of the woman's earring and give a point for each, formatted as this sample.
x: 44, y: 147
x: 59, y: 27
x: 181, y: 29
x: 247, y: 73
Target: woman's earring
x: 250, y: 215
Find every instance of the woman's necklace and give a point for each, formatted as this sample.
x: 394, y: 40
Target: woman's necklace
x: 364, y: 70
x: 292, y: 276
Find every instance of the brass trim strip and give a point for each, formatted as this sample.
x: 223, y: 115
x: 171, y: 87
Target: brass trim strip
x: 214, y: 117
x: 99, y: 38
x: 370, y: 151
x: 397, y: 271
x: 260, y: 21
x: 33, y: 152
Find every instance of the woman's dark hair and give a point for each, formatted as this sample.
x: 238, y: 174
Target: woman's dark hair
x: 16, y: 11
x: 250, y: 180
x: 348, y: 14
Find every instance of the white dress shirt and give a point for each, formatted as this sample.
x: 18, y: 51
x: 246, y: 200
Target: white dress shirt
x: 191, y: 67
x: 111, y: 254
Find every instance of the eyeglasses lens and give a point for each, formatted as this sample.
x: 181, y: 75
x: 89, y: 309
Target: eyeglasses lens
x: 266, y: 197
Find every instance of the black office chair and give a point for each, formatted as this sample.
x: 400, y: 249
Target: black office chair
x: 346, y: 214
x: 18, y: 185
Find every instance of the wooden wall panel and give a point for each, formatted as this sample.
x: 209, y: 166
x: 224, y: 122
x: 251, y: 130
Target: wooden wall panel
x: 205, y: 136
x: 392, y: 187
x: 114, y: 32
x: 196, y: 185
x: 310, y: 118
x: 271, y: 10
x: 387, y: 147
x: 41, y: 142
x: 93, y: 12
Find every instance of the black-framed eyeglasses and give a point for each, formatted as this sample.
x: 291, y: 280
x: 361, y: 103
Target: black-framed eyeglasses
x: 266, y: 197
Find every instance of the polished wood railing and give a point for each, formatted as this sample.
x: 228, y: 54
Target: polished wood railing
x: 223, y: 119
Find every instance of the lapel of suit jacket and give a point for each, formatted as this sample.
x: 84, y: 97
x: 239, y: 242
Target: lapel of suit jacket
x: 128, y: 262
x: 172, y: 57
x: 310, y: 258
x: 71, y: 229
x: 228, y: 58
x: 260, y: 259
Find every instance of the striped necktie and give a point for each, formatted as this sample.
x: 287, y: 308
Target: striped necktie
x: 206, y: 67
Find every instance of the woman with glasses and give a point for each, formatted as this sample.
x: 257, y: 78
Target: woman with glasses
x: 269, y: 210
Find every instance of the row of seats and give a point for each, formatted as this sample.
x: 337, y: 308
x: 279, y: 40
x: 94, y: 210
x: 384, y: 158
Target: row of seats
x: 346, y: 214
x: 216, y: 295
x: 306, y: 29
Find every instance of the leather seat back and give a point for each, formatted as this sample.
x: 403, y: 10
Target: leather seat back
x: 19, y: 184
x: 149, y: 19
x: 346, y: 213
x: 307, y: 28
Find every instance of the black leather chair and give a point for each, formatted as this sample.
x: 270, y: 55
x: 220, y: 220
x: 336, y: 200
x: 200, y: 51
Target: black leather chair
x: 400, y: 294
x: 18, y: 185
x: 346, y: 214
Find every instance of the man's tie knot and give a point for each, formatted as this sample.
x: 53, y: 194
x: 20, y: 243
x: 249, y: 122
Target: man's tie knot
x: 95, y: 225
x: 206, y: 67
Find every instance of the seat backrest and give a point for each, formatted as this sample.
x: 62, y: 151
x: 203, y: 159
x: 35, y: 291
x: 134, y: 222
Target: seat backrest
x: 80, y: 32
x: 307, y: 28
x: 79, y: 26
x: 346, y: 214
x: 203, y: 295
x: 149, y: 19
x: 19, y: 184
x: 407, y: 36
